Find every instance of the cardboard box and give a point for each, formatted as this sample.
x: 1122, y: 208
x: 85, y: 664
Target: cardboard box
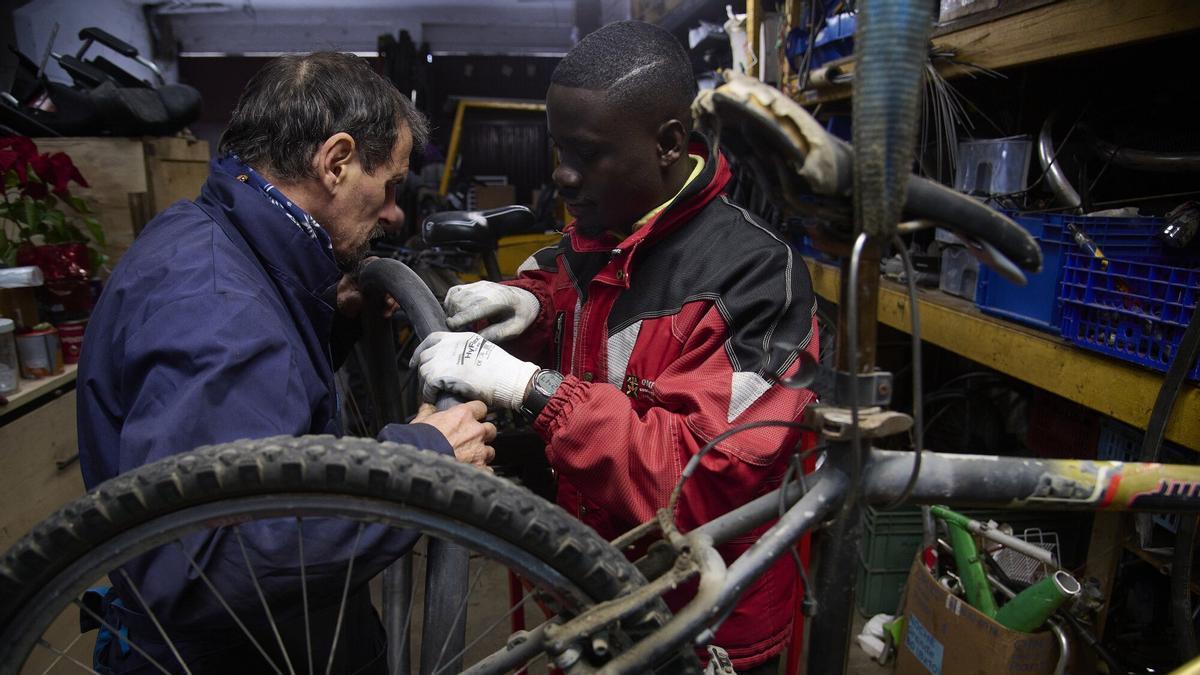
x: 492, y: 196
x: 944, y: 635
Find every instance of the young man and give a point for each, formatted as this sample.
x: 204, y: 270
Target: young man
x: 219, y: 324
x: 666, y: 316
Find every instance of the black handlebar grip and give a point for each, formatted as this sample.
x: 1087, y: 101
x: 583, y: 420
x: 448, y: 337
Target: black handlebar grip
x: 108, y: 40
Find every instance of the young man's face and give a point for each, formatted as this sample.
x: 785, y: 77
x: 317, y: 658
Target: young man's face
x: 367, y: 205
x: 609, y: 172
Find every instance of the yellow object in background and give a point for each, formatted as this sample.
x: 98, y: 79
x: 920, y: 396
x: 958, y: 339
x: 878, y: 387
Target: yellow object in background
x: 514, y: 250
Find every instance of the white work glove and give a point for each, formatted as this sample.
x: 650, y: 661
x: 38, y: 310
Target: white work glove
x: 509, y: 310
x: 467, y: 365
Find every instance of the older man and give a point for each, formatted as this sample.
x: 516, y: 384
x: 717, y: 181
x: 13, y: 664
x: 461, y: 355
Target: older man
x: 221, y: 323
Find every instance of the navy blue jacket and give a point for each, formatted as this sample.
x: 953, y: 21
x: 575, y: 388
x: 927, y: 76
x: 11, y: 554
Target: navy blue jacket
x: 216, y: 326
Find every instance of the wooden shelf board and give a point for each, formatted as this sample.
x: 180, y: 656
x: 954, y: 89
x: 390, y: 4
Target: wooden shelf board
x: 1114, y: 388
x: 1056, y: 30
x: 31, y: 390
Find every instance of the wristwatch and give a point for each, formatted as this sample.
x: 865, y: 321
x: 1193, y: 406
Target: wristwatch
x: 543, y: 385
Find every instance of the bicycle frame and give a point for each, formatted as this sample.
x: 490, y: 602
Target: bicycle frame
x: 951, y: 479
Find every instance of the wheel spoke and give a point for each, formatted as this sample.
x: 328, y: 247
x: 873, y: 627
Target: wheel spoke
x: 462, y: 607
x: 117, y: 636
x: 485, y: 632
x: 63, y: 655
x: 232, y: 614
x: 263, y: 598
x: 408, y: 613
x: 304, y: 593
x: 154, y: 619
x: 337, y: 627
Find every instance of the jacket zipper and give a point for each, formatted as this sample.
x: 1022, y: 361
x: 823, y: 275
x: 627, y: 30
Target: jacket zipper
x: 558, y: 340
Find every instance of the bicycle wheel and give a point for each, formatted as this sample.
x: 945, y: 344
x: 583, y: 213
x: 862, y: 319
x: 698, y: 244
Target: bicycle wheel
x: 227, y: 486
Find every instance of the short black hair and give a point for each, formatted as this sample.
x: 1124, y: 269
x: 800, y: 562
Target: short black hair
x: 637, y: 63
x: 296, y: 102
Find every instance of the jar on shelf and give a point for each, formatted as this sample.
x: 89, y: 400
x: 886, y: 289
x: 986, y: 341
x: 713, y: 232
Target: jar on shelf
x: 9, y: 370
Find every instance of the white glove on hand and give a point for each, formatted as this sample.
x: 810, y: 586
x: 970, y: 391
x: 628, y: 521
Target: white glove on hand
x: 509, y: 310
x: 467, y: 365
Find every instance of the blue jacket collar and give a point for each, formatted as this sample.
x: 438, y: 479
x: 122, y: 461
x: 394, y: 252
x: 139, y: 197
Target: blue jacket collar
x: 286, y: 249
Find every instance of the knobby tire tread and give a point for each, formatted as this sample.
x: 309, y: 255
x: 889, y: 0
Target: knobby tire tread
x: 317, y: 465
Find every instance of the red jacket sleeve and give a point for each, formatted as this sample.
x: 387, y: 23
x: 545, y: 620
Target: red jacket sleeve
x: 628, y: 460
x: 536, y: 276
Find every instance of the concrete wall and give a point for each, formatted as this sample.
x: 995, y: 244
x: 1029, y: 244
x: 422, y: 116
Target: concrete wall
x: 35, y: 21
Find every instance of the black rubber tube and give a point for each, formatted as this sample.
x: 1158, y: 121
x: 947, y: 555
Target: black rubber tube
x: 423, y: 310
x: 447, y: 563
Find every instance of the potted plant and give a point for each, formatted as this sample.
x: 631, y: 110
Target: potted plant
x: 42, y: 224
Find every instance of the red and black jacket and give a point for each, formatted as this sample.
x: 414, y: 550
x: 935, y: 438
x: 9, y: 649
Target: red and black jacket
x: 668, y: 338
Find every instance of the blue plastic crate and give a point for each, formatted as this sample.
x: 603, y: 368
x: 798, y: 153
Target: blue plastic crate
x: 1134, y: 310
x: 1037, y: 304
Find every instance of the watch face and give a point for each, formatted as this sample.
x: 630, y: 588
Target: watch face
x: 547, y: 381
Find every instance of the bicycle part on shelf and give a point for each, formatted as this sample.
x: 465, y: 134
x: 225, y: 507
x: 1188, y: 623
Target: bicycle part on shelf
x: 1064, y: 193
x: 309, y: 477
x: 835, y: 423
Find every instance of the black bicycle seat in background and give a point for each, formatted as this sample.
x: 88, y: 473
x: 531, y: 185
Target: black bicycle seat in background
x: 477, y: 231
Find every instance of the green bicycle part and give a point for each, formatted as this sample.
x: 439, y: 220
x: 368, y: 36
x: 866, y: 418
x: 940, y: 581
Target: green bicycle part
x: 968, y: 560
x: 1030, y: 608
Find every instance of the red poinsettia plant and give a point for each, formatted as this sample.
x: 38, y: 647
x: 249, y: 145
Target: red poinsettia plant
x: 32, y: 215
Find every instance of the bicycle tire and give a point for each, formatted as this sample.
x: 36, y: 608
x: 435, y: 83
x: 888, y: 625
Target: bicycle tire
x: 1182, y: 567
x: 306, y: 466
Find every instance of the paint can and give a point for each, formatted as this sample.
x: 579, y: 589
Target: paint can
x: 70, y: 333
x: 39, y: 351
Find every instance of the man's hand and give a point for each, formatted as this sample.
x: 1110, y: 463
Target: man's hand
x: 467, y: 365
x: 464, y: 427
x: 509, y: 310
x: 350, y: 297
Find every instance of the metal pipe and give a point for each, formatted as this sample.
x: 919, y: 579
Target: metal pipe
x: 1064, y: 193
x: 520, y: 649
x: 1146, y: 160
x: 1031, y: 607
x: 1064, y: 643
x: 1023, y: 483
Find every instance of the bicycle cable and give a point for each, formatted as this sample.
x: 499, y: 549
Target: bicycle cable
x: 918, y: 433
x: 694, y: 462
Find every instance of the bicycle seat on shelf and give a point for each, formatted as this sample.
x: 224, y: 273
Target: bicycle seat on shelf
x: 476, y: 230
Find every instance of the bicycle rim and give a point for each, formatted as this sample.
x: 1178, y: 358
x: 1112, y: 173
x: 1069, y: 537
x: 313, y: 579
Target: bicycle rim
x: 364, y: 482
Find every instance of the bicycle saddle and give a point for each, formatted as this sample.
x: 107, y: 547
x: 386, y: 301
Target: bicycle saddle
x: 476, y: 230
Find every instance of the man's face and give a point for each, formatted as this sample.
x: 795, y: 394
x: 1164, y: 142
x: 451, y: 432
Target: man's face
x: 609, y: 171
x: 366, y: 205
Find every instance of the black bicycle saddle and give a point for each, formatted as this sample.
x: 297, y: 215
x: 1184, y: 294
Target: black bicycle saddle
x: 476, y: 230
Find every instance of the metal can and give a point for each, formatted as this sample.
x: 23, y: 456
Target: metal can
x: 39, y: 352
x: 9, y: 382
x: 70, y: 333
